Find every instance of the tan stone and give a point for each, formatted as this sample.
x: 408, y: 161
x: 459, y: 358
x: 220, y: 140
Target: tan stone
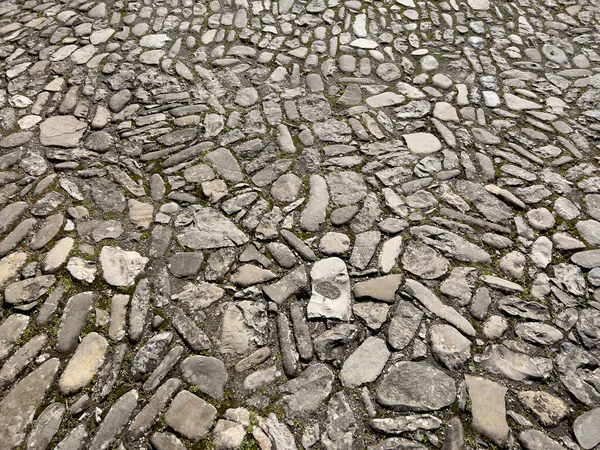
x: 84, y: 364
x: 488, y: 408
x: 190, y: 416
x: 548, y: 409
x: 10, y: 266
x: 140, y: 214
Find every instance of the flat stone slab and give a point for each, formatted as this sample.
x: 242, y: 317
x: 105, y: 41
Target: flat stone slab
x: 331, y: 296
x: 418, y: 387
x: 190, y: 416
x: 422, y: 143
x: 587, y: 429
x: 84, y: 364
x: 211, y: 230
x: 365, y: 364
x: 488, y: 408
x: 121, y: 267
x: 18, y: 407
x: 62, y: 131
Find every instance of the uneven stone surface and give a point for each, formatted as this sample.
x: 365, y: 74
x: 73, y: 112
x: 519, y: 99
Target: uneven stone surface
x: 410, y: 386
x: 488, y: 408
x: 299, y: 224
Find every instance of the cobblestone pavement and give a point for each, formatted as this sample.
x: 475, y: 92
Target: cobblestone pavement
x: 244, y: 224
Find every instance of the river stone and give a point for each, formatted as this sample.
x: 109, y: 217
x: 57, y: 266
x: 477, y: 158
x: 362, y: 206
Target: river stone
x: 331, y: 296
x: 29, y: 290
x: 151, y: 354
x: 428, y: 299
x: 422, y: 143
x: 488, y: 408
x: 10, y: 332
x: 536, y: 440
x: 46, y: 427
x: 114, y: 421
x: 588, y: 259
x: 308, y: 391
x: 208, y: 374
x: 190, y: 415
x: 404, y: 325
x: 85, y: 363
x: 419, y: 387
x: 10, y: 266
x: 20, y: 404
x: 587, y: 429
x: 365, y: 364
x: 74, y: 319
x: 448, y: 346
x: 62, y: 131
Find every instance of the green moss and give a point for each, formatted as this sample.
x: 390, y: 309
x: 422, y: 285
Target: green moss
x: 249, y: 443
x: 276, y: 408
x: 205, y: 443
x: 111, y: 215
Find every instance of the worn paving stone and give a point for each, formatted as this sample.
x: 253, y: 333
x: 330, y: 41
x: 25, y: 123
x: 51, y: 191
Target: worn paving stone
x: 249, y: 195
x: 419, y: 387
x: 488, y: 408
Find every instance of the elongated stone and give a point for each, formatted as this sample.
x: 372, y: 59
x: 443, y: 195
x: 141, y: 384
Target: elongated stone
x: 435, y: 305
x: 85, y: 363
x: 18, y: 407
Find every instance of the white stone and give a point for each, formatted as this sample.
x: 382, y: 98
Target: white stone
x: 422, y: 143
x: 331, y: 296
x: 120, y: 267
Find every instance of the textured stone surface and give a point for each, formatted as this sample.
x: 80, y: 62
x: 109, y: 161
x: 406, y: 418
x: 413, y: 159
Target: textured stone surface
x: 488, y: 408
x: 420, y: 387
x: 265, y: 206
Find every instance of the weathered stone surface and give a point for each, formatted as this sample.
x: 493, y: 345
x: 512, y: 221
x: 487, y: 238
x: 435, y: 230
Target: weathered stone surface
x: 211, y: 230
x: 10, y: 332
x: 28, y: 291
x: 547, y: 408
x: 114, y: 421
x: 62, y: 131
x: 419, y: 387
x: 308, y: 391
x: 46, y: 426
x: 84, y: 364
x: 424, y: 261
x: 298, y: 190
x: 331, y: 296
x: 587, y: 430
x: 365, y: 364
x: 190, y: 416
x: 536, y: 440
x: 208, y: 374
x: 73, y: 321
x: 18, y: 407
x: 121, y: 267
x: 448, y: 346
x: 515, y: 365
x: 488, y: 408
x: 432, y: 303
x: 159, y: 401
x: 382, y: 288
x: 404, y: 324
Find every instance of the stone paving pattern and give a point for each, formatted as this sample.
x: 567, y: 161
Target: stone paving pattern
x: 318, y: 224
